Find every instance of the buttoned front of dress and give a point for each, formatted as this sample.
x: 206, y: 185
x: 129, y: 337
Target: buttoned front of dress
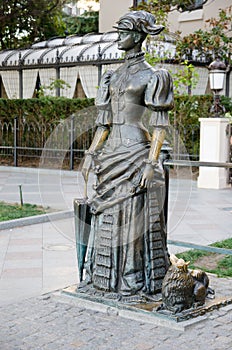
x: 124, y: 94
x: 127, y: 87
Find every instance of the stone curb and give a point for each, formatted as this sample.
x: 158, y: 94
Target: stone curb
x: 37, y: 219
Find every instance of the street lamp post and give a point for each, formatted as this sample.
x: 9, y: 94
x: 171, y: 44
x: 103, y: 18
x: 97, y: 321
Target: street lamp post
x: 213, y: 140
x: 217, y: 71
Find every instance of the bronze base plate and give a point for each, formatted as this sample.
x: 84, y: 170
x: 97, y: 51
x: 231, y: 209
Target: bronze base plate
x: 148, y: 311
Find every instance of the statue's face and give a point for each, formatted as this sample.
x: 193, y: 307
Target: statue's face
x: 126, y: 40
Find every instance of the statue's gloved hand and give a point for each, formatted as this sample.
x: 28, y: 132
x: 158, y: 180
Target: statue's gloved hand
x: 148, y: 175
x: 86, y: 167
x: 152, y: 173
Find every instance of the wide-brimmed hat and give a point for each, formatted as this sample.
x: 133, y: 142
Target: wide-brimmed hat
x: 139, y: 21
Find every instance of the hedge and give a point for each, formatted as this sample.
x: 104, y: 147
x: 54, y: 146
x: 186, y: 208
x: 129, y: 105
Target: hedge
x: 50, y: 109
x: 186, y: 111
x: 46, y: 113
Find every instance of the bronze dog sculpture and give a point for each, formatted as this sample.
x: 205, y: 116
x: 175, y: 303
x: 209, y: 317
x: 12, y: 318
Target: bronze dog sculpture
x: 183, y: 288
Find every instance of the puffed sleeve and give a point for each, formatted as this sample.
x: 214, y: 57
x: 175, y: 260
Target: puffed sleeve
x: 159, y: 97
x: 102, y: 100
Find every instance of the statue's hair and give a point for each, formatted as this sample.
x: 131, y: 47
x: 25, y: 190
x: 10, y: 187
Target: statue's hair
x: 139, y: 21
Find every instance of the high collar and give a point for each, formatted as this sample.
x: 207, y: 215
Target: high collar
x: 134, y: 58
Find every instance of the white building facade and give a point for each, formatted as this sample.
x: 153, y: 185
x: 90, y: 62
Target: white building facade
x: 185, y: 22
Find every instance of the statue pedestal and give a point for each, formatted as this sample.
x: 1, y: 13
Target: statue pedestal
x: 147, y: 312
x: 214, y: 147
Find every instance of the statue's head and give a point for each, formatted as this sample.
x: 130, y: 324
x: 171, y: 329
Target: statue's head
x: 137, y: 25
x: 179, y: 264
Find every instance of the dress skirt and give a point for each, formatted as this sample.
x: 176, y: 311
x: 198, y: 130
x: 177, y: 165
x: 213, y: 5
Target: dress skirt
x: 127, y: 246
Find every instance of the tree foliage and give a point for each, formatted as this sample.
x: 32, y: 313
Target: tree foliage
x: 185, y: 78
x: 86, y: 23
x: 24, y: 21
x: 212, y: 42
x: 161, y: 8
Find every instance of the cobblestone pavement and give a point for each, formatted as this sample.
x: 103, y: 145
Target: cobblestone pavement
x: 44, y: 323
x: 28, y: 264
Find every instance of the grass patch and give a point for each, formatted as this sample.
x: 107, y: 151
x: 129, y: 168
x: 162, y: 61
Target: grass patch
x: 224, y: 268
x: 15, y: 211
x: 227, y: 244
x: 219, y: 264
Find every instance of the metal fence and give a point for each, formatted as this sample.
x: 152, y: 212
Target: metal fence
x: 185, y: 142
x: 59, y: 144
x: 62, y: 144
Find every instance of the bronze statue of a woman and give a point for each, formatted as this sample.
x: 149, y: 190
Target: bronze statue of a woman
x: 127, y: 254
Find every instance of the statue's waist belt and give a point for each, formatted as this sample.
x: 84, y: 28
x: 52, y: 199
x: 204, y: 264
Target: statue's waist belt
x: 126, y: 132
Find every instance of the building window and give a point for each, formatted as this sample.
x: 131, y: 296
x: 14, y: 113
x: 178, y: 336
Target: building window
x: 138, y: 2
x: 192, y: 5
x: 199, y: 3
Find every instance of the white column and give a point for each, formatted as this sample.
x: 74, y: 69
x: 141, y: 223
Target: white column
x: 214, y: 147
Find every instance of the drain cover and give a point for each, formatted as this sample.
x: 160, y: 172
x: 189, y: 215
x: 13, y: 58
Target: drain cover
x: 227, y: 208
x: 58, y: 247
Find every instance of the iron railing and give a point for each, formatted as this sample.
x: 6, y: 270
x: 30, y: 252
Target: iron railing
x: 23, y: 140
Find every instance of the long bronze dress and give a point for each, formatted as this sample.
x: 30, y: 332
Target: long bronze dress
x: 127, y: 246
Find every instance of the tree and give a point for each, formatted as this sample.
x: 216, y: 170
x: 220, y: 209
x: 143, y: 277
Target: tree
x: 212, y: 42
x: 161, y: 8
x: 86, y: 23
x: 24, y: 21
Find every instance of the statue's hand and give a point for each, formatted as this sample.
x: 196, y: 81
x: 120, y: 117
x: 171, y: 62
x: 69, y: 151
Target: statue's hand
x: 152, y: 173
x: 148, y: 175
x: 86, y: 167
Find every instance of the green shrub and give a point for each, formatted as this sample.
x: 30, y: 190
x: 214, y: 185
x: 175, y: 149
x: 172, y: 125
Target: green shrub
x: 46, y: 108
x: 185, y: 117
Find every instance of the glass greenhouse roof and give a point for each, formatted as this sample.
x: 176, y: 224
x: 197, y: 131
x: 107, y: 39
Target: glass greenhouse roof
x: 72, y: 40
x: 107, y: 51
x: 74, y: 53
x: 15, y: 56
x: 34, y: 56
x: 73, y: 48
x: 4, y: 55
x: 69, y: 49
x: 91, y: 38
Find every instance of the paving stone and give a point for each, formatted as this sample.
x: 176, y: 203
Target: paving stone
x: 44, y: 323
x: 225, y: 340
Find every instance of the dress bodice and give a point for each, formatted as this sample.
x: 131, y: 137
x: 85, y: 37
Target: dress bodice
x: 127, y: 90
x: 124, y: 94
